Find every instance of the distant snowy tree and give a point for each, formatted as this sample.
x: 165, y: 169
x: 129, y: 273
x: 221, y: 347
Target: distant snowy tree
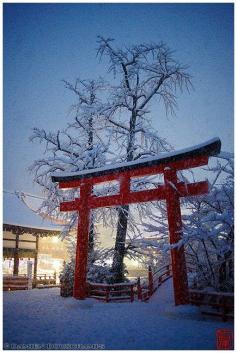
x: 144, y: 73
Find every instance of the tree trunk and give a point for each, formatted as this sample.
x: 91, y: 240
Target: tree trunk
x: 119, y: 251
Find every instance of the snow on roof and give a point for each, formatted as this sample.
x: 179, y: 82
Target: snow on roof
x: 47, y: 229
x: 211, y: 148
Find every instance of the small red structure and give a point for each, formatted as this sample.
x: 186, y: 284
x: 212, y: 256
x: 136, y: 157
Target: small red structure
x: 171, y: 191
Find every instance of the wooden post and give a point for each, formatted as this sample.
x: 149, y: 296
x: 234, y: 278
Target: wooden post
x: 180, y: 279
x: 132, y: 293
x: 139, y: 289
x: 150, y: 281
x: 16, y: 257
x: 29, y: 274
x: 36, y: 260
x: 79, y: 289
x: 107, y: 294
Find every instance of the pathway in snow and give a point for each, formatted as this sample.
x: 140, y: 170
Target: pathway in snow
x: 42, y: 317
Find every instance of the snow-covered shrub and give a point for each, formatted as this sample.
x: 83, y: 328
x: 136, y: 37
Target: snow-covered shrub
x: 98, y: 265
x: 67, y: 273
x: 98, y: 269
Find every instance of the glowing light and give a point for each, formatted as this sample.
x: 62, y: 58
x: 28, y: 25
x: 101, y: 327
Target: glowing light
x: 55, y: 240
x: 57, y: 265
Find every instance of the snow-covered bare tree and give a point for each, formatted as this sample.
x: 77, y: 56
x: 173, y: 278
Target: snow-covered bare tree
x: 143, y: 73
x: 77, y: 147
x: 119, y: 130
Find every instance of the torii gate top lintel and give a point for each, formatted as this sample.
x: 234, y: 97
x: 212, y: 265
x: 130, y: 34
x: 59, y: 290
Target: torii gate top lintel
x: 188, y: 155
x: 170, y: 191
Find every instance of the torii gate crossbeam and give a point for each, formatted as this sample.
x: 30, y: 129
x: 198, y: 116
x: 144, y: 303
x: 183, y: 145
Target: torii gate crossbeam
x: 171, y: 191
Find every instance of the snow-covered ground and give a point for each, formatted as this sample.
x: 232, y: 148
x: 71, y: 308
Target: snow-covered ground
x: 41, y: 317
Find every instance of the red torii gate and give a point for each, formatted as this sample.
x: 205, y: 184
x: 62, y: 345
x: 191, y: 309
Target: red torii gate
x: 171, y: 191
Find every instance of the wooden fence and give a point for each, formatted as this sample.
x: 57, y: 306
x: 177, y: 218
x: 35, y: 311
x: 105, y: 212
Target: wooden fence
x: 45, y: 279
x: 15, y: 283
x: 127, y: 291
x: 213, y: 303
x: 112, y: 292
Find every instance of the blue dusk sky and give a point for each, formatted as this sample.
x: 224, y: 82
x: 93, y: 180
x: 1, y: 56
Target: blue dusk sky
x: 45, y: 43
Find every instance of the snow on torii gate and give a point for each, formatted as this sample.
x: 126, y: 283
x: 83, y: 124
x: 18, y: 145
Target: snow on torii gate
x: 171, y: 191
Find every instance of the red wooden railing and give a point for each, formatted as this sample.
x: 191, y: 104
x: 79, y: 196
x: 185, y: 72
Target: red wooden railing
x: 155, y: 279
x: 211, y: 303
x: 127, y: 291
x: 111, y: 292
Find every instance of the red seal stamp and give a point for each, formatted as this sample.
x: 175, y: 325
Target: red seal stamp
x: 224, y: 339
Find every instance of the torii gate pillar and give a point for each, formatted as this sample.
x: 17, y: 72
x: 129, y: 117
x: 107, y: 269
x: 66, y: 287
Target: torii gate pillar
x: 179, y: 271
x: 79, y: 288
